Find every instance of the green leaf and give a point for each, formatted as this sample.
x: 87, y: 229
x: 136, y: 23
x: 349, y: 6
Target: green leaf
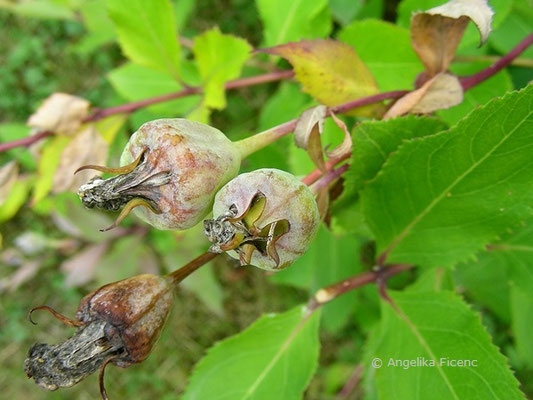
x: 15, y: 199
x: 386, y: 51
x: 440, y: 328
x: 517, y: 25
x: 374, y: 141
x: 522, y: 317
x: 480, y: 94
x: 147, y: 33
x: 329, y: 70
x: 183, y: 10
x: 45, y: 9
x: 441, y: 198
x: 274, y: 358
x: 48, y: 163
x: 220, y: 58
x: 502, y: 281
x: 345, y: 11
x: 328, y: 260
x: 134, y: 82
x: 289, y: 21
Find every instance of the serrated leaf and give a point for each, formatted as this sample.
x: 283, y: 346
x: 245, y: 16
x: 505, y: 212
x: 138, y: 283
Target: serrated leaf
x: 220, y: 58
x: 440, y: 327
x: 329, y: 259
x: 374, y: 141
x: 284, y: 22
x: 147, y: 33
x: 440, y: 199
x: 502, y: 281
x: 329, y: 70
x: 386, y: 50
x: 274, y: 358
x: 134, y: 82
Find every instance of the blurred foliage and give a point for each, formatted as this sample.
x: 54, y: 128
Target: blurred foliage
x: 52, y: 251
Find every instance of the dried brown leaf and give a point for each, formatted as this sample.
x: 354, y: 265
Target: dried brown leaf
x: 79, y: 269
x: 87, y: 147
x: 307, y: 133
x: 60, y: 113
x: 436, y: 33
x: 440, y: 92
x: 346, y: 145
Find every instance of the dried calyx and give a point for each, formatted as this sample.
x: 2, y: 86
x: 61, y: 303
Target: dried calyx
x: 118, y: 323
x: 266, y: 218
x: 172, y: 167
x: 137, y: 184
x: 231, y: 231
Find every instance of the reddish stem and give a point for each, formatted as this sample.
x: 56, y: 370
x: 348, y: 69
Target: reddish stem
x: 24, y: 142
x: 238, y: 83
x: 329, y: 177
x: 331, y: 292
x: 470, y: 81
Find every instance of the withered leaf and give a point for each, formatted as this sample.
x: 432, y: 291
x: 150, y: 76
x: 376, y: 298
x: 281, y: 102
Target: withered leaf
x: 79, y: 269
x: 87, y: 147
x: 436, y: 33
x: 330, y: 71
x: 307, y: 133
x: 346, y: 145
x: 440, y: 92
x: 60, y: 113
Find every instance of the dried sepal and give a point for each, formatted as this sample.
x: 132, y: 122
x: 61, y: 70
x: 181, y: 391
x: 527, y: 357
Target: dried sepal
x: 265, y: 218
x: 118, y: 323
x: 242, y: 234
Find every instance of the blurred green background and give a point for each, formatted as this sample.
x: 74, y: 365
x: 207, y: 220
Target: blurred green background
x: 52, y: 252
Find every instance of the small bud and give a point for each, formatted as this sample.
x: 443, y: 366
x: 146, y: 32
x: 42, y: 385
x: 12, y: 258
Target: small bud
x: 266, y: 218
x: 118, y: 323
x: 172, y: 167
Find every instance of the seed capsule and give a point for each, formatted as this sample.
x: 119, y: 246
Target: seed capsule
x: 118, y: 323
x: 172, y: 167
x: 266, y: 218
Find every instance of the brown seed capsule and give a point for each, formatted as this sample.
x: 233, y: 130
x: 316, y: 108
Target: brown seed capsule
x: 266, y: 218
x: 172, y: 167
x: 118, y: 323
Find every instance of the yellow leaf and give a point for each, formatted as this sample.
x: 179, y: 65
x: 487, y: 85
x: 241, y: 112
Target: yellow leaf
x: 329, y: 70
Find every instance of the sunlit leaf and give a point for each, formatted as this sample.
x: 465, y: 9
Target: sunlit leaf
x: 440, y: 328
x: 273, y: 358
x: 440, y: 199
x: 329, y: 70
x: 147, y: 33
x: 220, y: 58
x: 299, y: 19
x: 386, y: 51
